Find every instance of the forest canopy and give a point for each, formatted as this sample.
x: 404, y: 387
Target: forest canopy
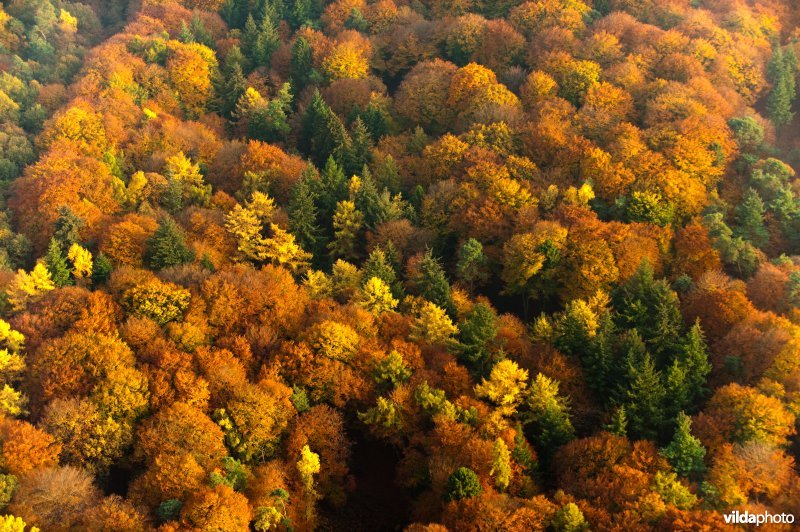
x: 417, y: 265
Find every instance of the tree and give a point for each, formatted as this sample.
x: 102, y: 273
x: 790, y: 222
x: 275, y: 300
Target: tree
x: 81, y: 260
x: 301, y: 64
x: 685, y: 452
x: 476, y: 336
x: 433, y: 325
x: 303, y: 215
x: 463, y: 483
x: 217, y: 508
x: 376, y: 297
x: 644, y: 397
x: 159, y: 301
x: 781, y: 72
x: 27, y: 287
x: 569, y: 519
x: 472, y: 264
x: 322, y: 133
x: 347, y: 224
x: 750, y: 215
x: 167, y: 247
x: 549, y: 415
x: 501, y: 464
x: 56, y: 264
x: 505, y: 387
x: 431, y: 282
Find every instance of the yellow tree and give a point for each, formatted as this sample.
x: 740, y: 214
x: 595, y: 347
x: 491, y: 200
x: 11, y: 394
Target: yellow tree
x: 27, y: 287
x: 190, y: 68
x: 376, y: 296
x: 433, y: 325
x: 81, y: 261
x: 504, y: 387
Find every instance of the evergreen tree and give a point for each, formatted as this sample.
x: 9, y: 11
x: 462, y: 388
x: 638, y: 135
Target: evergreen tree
x: 644, y: 398
x: 471, y: 267
x: 694, y: 357
x: 463, y: 483
x: 432, y: 284
x: 332, y: 189
x: 57, y: 264
x: 652, y: 308
x: 67, y: 227
x: 235, y: 12
x: 548, y: 415
x: 101, y: 269
x: 377, y: 121
x: 266, y: 42
x: 303, y: 215
x: 322, y: 135
x: 378, y: 265
x: 685, y: 452
x: 619, y: 422
x: 230, y: 83
x: 167, y: 247
x: 368, y: 200
x: 475, y: 338
x: 750, y: 214
x: 301, y: 64
x: 359, y: 154
x: 781, y: 73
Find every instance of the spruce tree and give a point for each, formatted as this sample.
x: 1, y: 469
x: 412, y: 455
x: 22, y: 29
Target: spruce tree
x: 67, y: 227
x: 781, y: 72
x: 359, y: 154
x: 101, y: 269
x: 619, y: 422
x: 266, y: 42
x: 750, y: 214
x: 303, y: 215
x: 322, y: 133
x: 685, y: 452
x: 167, y: 247
x: 380, y: 266
x: 301, y: 64
x: 644, y: 398
x: 472, y: 264
x: 476, y: 336
x: 432, y: 284
x: 57, y: 264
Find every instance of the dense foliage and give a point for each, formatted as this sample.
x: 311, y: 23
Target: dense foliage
x: 390, y: 264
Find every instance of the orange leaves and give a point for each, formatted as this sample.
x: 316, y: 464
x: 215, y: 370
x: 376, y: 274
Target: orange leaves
x: 190, y: 68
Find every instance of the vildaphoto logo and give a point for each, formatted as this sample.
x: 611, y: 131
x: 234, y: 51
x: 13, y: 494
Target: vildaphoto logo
x: 747, y: 518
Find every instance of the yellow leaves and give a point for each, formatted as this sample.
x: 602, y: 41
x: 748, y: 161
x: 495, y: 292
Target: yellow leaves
x: 308, y: 465
x: 190, y: 67
x: 159, y: 301
x: 334, y: 340
x: 524, y: 254
x: 433, y: 325
x: 376, y: 297
x: 10, y: 523
x: 347, y: 60
x: 66, y: 22
x: 13, y: 340
x: 504, y: 387
x: 27, y: 287
x: 149, y: 113
x: 282, y: 250
x: 79, y: 123
x: 81, y: 261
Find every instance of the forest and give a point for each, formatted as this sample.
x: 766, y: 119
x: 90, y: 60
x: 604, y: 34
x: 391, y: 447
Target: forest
x: 418, y: 265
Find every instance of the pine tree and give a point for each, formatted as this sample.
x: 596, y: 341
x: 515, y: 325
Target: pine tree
x: 781, y: 73
x: 359, y: 154
x: 167, y: 247
x: 230, y: 84
x: 549, y: 416
x: 685, y: 452
x: 102, y: 268
x: 303, y: 215
x: 652, y: 308
x: 432, y: 284
x: 750, y: 214
x: 322, y: 135
x: 67, y: 227
x: 378, y: 265
x: 619, y: 422
x: 333, y: 188
x: 266, y: 42
x: 476, y: 337
x: 368, y: 200
x: 56, y: 264
x: 694, y: 357
x: 471, y: 267
x: 644, y: 398
x: 301, y: 64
